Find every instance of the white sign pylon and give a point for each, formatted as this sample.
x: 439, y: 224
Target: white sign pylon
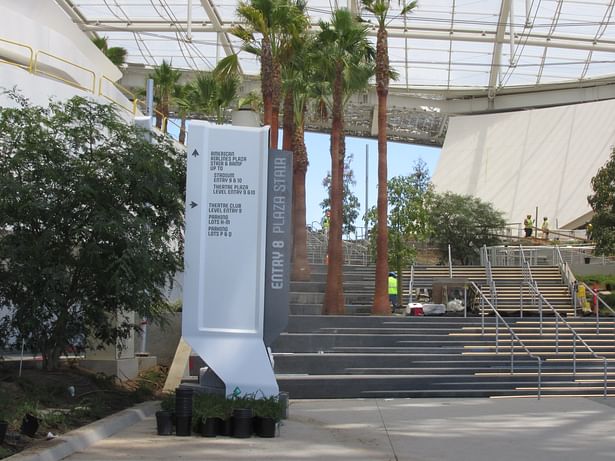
x: 226, y: 216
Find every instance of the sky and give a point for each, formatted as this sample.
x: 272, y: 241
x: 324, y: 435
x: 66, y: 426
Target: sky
x: 401, y: 160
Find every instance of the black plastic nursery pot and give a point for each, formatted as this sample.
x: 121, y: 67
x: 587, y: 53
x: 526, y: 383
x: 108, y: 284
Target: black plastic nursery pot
x: 29, y: 425
x: 242, y: 426
x: 225, y: 426
x: 211, y: 427
x: 164, y: 423
x: 183, y: 412
x: 3, y: 428
x: 264, y: 426
x: 183, y: 426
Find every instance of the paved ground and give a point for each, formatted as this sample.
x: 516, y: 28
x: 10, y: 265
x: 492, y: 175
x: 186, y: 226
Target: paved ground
x: 570, y: 429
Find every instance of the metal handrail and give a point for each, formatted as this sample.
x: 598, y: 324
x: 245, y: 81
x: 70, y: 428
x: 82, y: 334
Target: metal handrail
x: 489, y: 273
x: 512, y: 333
x: 542, y: 301
x: 23, y: 45
x: 567, y: 277
x: 36, y: 70
x: 122, y: 89
x: 603, y: 302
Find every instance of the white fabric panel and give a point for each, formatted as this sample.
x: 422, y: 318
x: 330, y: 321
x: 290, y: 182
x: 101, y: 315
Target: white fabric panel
x: 518, y: 161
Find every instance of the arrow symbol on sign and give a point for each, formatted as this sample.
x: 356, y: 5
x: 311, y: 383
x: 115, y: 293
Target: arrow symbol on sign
x: 193, y: 205
x: 195, y: 153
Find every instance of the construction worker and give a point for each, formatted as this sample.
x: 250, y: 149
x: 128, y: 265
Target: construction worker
x: 528, y: 225
x: 545, y: 228
x: 582, y: 297
x: 588, y: 230
x: 393, y: 290
x: 326, y: 221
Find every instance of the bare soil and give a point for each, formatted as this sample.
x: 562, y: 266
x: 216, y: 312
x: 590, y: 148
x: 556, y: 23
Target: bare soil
x: 63, y: 400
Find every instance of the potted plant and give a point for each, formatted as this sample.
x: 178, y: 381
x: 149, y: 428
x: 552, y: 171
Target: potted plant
x: 4, y: 425
x: 213, y: 419
x: 29, y: 425
x: 164, y: 417
x: 212, y: 415
x: 267, y: 414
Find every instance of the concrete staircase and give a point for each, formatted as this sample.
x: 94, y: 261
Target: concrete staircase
x: 354, y: 356
x: 306, y: 298
x: 356, y: 252
x: 510, y: 292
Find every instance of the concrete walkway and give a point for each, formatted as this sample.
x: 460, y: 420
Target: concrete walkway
x: 555, y: 429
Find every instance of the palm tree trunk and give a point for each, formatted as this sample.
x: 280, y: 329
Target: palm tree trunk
x: 288, y: 122
x: 334, y: 293
x: 381, y: 298
x: 182, y: 131
x: 158, y: 113
x: 301, y: 267
x: 266, y: 75
x: 165, y: 111
x: 276, y: 86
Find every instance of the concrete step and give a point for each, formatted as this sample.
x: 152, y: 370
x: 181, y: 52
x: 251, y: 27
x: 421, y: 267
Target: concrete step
x: 350, y: 386
x: 316, y: 309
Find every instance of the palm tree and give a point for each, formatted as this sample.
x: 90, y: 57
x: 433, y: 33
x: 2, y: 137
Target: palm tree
x: 380, y: 9
x: 115, y: 54
x: 165, y: 79
x: 269, y: 24
x: 184, y: 100
x: 299, y: 83
x: 212, y: 95
x: 343, y: 43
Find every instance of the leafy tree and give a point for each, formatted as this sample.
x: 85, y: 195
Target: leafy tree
x: 115, y: 54
x: 463, y: 222
x: 381, y: 9
x: 407, y: 217
x: 603, y: 203
x: 90, y: 215
x: 351, y: 203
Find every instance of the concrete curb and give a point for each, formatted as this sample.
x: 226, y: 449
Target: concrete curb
x: 82, y: 438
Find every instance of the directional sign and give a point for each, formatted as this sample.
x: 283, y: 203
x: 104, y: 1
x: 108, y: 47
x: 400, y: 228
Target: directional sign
x: 224, y: 281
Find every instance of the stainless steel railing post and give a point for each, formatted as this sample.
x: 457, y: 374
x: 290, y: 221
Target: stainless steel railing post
x: 497, y: 334
x: 574, y: 356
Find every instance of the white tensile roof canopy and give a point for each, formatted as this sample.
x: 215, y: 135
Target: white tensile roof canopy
x: 441, y: 45
x: 454, y: 58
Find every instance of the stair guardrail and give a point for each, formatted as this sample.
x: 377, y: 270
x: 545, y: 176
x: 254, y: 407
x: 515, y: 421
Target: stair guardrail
x: 488, y: 272
x: 542, y: 301
x: 505, y: 255
x: 567, y: 277
x: 411, y: 283
x: 498, y: 318
x: 599, y: 301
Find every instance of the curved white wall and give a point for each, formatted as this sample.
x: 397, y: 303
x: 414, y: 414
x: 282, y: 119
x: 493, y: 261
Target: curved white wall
x: 518, y: 161
x: 43, y: 25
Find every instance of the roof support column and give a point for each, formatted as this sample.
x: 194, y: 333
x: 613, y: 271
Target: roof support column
x: 497, y: 50
x: 217, y: 23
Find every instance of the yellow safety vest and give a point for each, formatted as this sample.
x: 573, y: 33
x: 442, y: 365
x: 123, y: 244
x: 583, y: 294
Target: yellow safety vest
x: 392, y: 285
